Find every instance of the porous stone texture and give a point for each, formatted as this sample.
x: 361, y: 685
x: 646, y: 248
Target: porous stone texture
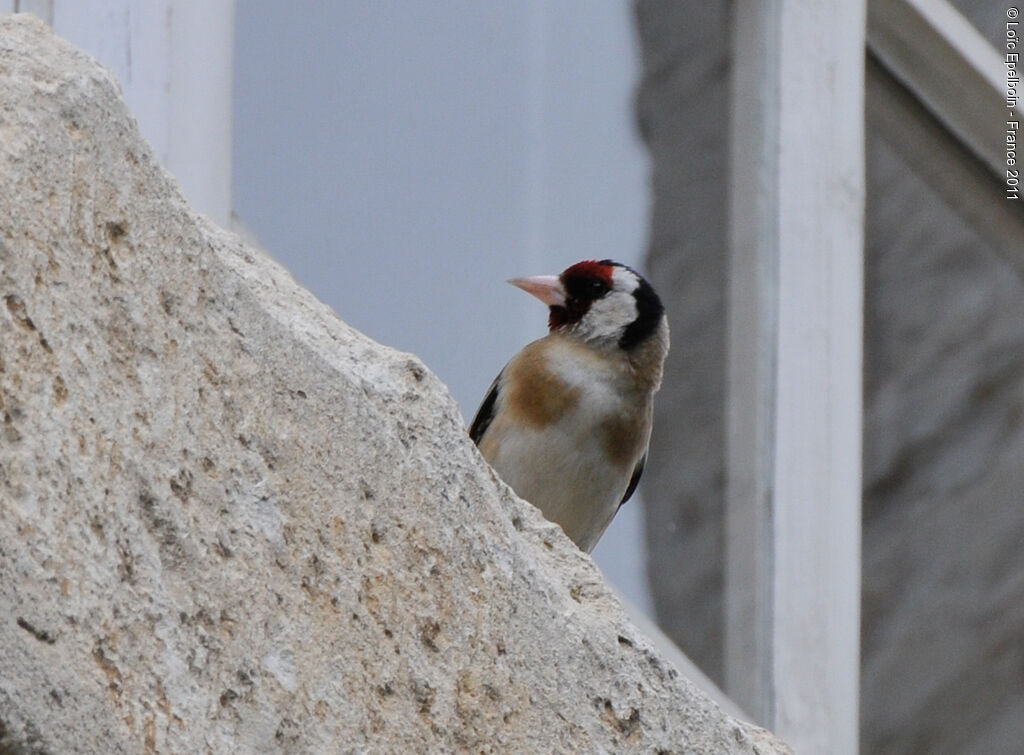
x: 943, y: 570
x: 231, y: 523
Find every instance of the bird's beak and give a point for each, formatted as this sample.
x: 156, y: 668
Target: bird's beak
x: 547, y: 288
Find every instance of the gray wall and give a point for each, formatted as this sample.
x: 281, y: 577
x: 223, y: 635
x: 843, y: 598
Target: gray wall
x: 943, y: 571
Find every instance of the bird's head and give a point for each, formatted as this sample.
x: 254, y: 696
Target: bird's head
x: 600, y: 303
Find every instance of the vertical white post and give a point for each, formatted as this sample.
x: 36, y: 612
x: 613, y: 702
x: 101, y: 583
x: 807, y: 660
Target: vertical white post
x: 795, y: 355
x: 174, y: 60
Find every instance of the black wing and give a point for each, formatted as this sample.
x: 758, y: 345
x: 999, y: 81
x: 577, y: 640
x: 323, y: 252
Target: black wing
x: 485, y: 413
x: 634, y: 480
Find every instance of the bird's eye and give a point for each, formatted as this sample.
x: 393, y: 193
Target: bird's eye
x: 598, y: 288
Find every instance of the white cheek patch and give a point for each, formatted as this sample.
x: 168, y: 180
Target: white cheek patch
x: 610, y: 315
x: 624, y: 280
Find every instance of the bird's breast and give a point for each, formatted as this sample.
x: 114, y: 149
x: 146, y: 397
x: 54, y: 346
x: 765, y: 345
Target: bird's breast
x: 566, y: 437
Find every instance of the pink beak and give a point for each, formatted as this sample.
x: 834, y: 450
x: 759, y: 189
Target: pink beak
x: 547, y: 288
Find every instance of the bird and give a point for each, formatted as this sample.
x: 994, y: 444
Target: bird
x: 567, y: 422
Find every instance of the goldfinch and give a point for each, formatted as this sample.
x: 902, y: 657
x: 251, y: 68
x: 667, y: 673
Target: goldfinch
x: 567, y: 422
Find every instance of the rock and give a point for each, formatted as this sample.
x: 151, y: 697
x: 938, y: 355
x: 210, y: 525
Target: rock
x: 231, y: 523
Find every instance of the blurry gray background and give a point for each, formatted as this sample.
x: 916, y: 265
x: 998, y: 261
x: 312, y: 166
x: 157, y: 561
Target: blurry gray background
x: 403, y: 159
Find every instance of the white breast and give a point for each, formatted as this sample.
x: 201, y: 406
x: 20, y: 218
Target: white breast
x: 563, y: 467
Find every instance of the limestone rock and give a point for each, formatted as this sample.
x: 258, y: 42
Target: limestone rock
x: 231, y: 523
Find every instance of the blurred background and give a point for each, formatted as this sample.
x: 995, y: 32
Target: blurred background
x: 403, y: 159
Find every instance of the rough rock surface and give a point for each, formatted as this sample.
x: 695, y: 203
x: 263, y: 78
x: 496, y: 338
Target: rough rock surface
x: 943, y: 572
x: 230, y: 523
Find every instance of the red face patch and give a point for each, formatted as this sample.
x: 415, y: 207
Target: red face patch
x: 590, y: 269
